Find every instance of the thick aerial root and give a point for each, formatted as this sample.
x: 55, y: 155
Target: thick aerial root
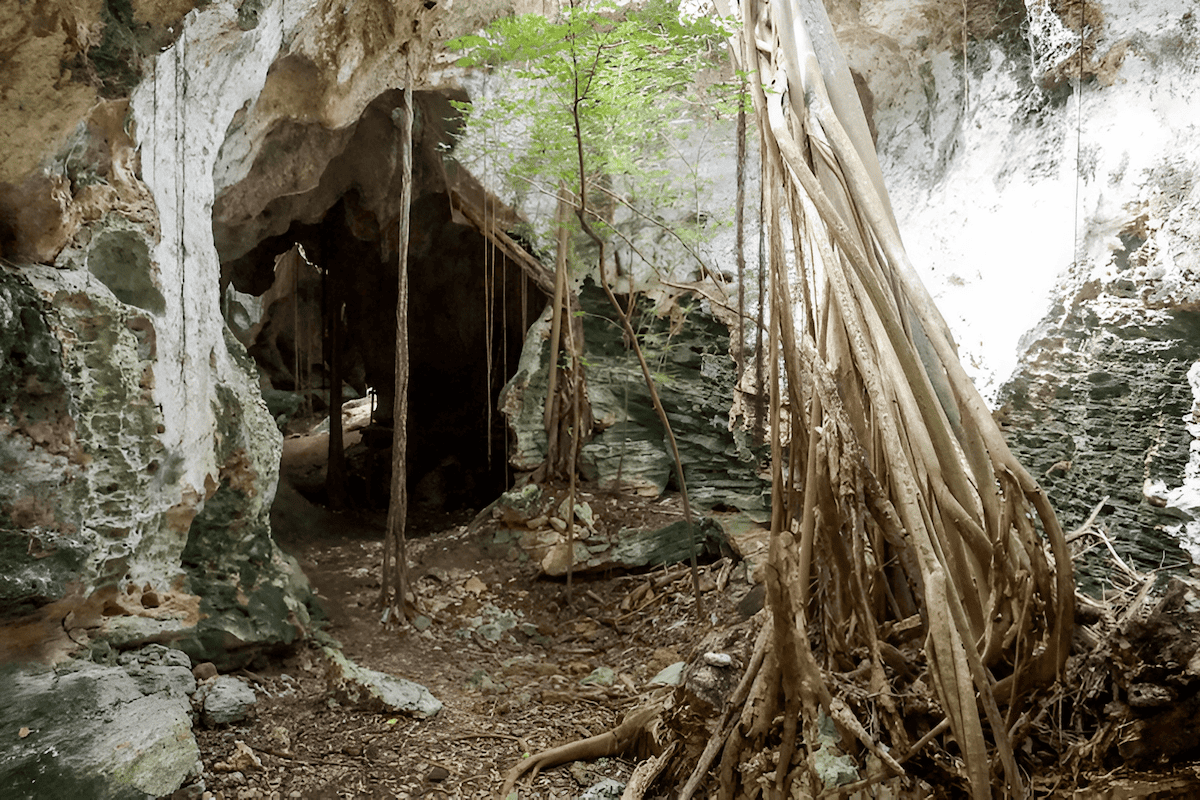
x: 637, y: 726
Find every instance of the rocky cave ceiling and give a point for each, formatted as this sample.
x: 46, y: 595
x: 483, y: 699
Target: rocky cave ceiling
x: 336, y: 194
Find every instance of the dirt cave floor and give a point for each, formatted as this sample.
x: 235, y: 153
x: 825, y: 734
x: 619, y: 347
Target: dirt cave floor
x: 533, y: 686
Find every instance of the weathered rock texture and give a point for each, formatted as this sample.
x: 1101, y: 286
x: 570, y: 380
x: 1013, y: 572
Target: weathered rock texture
x: 143, y: 460
x: 688, y: 350
x: 88, y: 730
x: 140, y: 459
x: 1096, y: 411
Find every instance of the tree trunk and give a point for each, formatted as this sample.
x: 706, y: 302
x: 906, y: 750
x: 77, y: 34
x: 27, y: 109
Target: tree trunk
x: 394, y: 592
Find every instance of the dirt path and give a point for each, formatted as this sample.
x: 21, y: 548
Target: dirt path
x: 517, y: 668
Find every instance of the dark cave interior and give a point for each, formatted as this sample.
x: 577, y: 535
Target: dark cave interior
x: 331, y: 276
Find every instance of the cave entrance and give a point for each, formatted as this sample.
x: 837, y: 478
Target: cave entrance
x: 324, y: 293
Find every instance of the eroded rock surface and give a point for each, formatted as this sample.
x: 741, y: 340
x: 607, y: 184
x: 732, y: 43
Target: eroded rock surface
x: 90, y: 730
x: 224, y: 699
x: 1095, y: 412
x: 369, y: 689
x: 689, y: 352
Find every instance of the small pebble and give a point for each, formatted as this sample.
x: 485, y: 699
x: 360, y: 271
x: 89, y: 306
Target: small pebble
x: 204, y: 671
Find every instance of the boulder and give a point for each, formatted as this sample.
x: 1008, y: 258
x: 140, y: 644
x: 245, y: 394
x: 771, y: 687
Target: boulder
x: 113, y: 513
x: 372, y: 690
x: 89, y: 730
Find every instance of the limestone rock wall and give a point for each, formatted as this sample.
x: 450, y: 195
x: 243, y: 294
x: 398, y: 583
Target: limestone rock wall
x: 139, y: 459
x: 1098, y: 412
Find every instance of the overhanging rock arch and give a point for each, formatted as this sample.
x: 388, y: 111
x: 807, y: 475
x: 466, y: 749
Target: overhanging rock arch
x: 473, y: 289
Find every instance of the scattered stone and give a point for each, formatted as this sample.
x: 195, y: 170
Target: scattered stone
x: 244, y: 759
x: 600, y: 676
x: 629, y: 549
x: 438, y: 774
x: 718, y: 659
x: 558, y: 524
x: 607, y: 789
x: 421, y: 622
x: 558, y: 559
x: 583, y: 512
x: 224, y: 699
x: 281, y: 738
x: 367, y: 689
x: 711, y: 683
x: 519, y: 506
x: 204, y: 670
x: 669, y: 676
x: 485, y: 683
x: 834, y: 767
x: 491, y: 624
x: 475, y: 586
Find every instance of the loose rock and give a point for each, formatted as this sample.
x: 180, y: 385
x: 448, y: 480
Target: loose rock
x: 368, y: 689
x: 225, y: 699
